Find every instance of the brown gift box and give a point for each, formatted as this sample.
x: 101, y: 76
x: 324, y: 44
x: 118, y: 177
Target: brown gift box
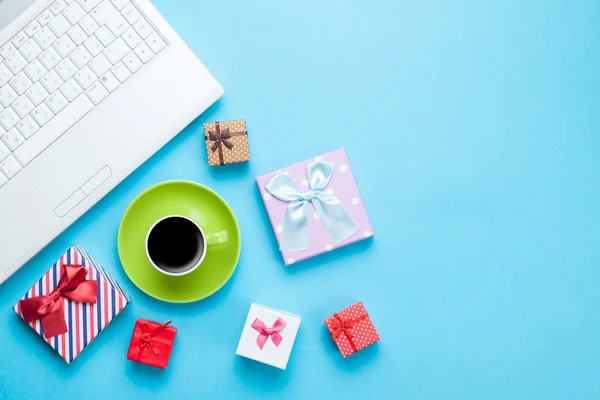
x: 226, y: 142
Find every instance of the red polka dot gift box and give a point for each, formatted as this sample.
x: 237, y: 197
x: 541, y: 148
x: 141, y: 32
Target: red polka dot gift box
x: 352, y: 329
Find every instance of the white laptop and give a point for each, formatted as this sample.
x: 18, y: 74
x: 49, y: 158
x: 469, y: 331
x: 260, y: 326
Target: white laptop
x: 89, y: 89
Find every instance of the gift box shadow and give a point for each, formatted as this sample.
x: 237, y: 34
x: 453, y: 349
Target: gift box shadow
x: 146, y: 375
x: 262, y: 376
x: 337, y: 255
x: 360, y: 359
x: 235, y: 169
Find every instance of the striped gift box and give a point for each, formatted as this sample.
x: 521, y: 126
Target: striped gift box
x: 84, y: 321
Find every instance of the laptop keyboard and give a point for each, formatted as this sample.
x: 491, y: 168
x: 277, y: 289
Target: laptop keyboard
x: 60, y: 66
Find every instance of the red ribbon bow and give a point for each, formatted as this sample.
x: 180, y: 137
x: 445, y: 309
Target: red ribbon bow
x: 341, y: 326
x: 147, y: 335
x: 49, y: 308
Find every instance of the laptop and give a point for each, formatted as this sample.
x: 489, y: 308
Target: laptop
x: 89, y: 90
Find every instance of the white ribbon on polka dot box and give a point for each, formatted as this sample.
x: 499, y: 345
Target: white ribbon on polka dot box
x: 341, y: 189
x: 352, y: 329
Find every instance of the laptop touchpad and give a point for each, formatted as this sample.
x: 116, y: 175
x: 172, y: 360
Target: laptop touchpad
x: 63, y: 168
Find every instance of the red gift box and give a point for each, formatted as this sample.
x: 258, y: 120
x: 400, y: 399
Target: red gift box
x: 151, y: 343
x: 352, y: 329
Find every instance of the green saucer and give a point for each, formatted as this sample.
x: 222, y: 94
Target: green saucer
x: 200, y: 204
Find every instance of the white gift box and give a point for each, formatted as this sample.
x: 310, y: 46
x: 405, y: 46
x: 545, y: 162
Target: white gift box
x: 268, y: 335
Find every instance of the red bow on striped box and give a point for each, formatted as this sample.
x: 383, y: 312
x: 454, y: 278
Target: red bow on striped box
x: 352, y: 329
x: 64, y: 301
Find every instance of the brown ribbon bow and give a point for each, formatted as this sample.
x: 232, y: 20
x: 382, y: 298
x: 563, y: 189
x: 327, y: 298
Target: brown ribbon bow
x: 221, y: 138
x: 340, y: 326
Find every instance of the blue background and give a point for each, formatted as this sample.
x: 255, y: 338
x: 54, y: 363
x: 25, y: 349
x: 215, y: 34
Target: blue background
x: 472, y: 128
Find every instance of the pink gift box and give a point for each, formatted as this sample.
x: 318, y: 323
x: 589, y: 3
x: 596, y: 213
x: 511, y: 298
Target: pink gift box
x: 342, y: 185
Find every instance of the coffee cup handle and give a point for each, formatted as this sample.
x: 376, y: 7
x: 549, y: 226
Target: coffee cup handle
x: 215, y: 239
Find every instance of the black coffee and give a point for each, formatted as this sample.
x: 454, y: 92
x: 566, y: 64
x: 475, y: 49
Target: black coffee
x: 175, y: 245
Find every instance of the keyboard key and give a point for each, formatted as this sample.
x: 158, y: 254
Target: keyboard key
x: 107, y: 14
x: 132, y: 38
x: 42, y: 114
x: 118, y: 25
x: 155, y: 42
x: 36, y: 93
x: 110, y: 82
x: 55, y: 128
x: 131, y: 14
x: 13, y: 139
x: 88, y: 5
x: 96, y: 92
x: 49, y: 58
x: 105, y: 36
x: 4, y: 152
x: 5, y: 74
x: 119, y: 4
x: 121, y: 71
x: 10, y: 167
x: 100, y: 65
x: 65, y: 70
x: 3, y: 179
x: 64, y: 46
x: 57, y: 7
x: 116, y: 51
x: 7, y: 95
x: 52, y: 81
x: 132, y: 62
x: 15, y: 62
x: 99, y: 14
x: 59, y: 25
x: 88, y: 25
x: 27, y: 126
x: 85, y: 77
x: 19, y: 39
x: 81, y: 56
x: 30, y: 50
x: 7, y: 50
x: 74, y: 13
x: 69, y: 1
x: 144, y: 52
x: 45, y: 37
x: 20, y: 83
x: 22, y: 106
x: 143, y: 28
x: 33, y: 28
x: 35, y: 70
x: 8, y: 118
x: 45, y: 17
x: 94, y: 46
x: 71, y: 89
x: 77, y: 35
x: 56, y: 102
